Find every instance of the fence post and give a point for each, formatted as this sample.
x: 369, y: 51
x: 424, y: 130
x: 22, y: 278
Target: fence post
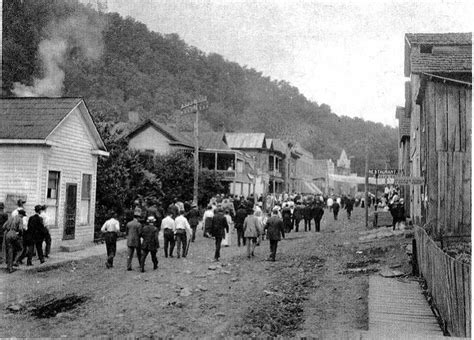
x: 414, y: 258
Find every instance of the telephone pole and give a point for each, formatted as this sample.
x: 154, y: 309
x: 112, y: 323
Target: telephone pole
x: 195, y: 106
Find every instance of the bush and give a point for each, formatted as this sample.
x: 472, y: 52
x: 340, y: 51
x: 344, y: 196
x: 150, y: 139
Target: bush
x: 127, y: 175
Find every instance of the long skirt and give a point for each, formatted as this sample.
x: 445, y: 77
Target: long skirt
x: 226, y: 240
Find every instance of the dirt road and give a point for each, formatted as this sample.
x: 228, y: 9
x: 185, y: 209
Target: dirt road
x: 319, y: 282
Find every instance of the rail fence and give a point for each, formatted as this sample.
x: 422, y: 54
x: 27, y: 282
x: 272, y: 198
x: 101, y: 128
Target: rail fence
x: 449, y: 283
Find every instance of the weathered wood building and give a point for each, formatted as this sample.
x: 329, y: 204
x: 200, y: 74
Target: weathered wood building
x: 439, y: 109
x: 49, y: 149
x: 404, y: 150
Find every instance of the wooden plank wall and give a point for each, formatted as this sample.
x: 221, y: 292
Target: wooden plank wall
x: 449, y: 283
x: 447, y: 149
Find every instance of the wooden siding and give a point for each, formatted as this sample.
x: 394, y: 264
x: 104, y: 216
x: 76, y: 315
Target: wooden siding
x: 446, y: 155
x: 415, y: 137
x: 19, y: 169
x: 150, y: 139
x: 71, y: 155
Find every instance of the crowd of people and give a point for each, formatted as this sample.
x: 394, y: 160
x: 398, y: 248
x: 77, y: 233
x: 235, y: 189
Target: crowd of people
x: 254, y: 219
x: 23, y: 237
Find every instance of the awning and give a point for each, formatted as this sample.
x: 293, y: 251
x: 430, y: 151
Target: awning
x: 313, y: 189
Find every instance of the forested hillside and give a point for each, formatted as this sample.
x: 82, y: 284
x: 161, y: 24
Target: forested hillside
x: 118, y: 66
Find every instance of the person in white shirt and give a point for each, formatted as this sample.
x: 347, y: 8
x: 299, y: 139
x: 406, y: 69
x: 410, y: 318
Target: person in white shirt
x: 330, y: 202
x: 47, y: 235
x: 19, y: 207
x: 183, y: 229
x: 207, y: 220
x: 111, y: 228
x: 168, y: 226
x: 226, y: 240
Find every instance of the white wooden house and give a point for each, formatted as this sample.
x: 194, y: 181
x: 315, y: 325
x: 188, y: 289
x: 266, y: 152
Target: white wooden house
x: 49, y: 149
x: 158, y: 139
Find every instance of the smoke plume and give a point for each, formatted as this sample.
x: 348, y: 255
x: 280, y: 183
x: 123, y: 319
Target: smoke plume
x: 81, y: 33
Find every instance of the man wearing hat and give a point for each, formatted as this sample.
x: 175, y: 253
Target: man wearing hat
x: 275, y: 231
x: 168, y: 226
x: 111, y: 228
x: 19, y: 207
x: 193, y: 218
x: 34, y: 236
x: 219, y: 227
x: 240, y: 216
x: 133, y: 230
x: 183, y: 229
x: 150, y: 243
x: 13, y: 241
x: 47, y: 236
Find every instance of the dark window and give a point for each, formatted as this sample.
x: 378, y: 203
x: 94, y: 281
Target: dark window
x: 426, y: 48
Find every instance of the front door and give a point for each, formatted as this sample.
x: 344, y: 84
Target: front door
x: 70, y: 215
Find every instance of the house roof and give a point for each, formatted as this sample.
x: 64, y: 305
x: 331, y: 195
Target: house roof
x: 439, y: 38
x: 174, y: 135
x: 457, y: 62
x: 210, y: 140
x: 449, y: 53
x: 279, y: 146
x: 243, y: 140
x: 35, y: 118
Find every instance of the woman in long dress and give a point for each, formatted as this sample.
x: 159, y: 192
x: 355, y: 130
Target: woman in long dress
x: 226, y: 239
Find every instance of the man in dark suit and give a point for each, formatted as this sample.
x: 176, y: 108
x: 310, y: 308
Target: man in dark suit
x: 218, y: 229
x: 134, y: 229
x: 298, y: 215
x: 240, y: 216
x: 150, y: 244
x: 193, y: 217
x: 34, y: 236
x: 307, y: 216
x: 317, y: 213
x: 275, y: 231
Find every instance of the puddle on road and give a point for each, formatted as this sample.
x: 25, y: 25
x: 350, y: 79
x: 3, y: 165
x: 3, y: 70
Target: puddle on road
x: 50, y: 308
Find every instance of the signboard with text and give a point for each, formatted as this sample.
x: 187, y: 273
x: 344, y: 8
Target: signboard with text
x: 385, y: 172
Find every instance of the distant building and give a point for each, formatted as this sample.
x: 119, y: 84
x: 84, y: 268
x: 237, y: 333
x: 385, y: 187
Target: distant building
x: 236, y: 167
x: 49, y: 149
x: 277, y: 151
x: 255, y: 145
x: 343, y: 168
x: 323, y: 169
x: 155, y: 138
x: 304, y: 165
x: 439, y: 108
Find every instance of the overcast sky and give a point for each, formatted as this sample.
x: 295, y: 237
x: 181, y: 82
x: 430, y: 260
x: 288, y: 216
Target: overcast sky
x: 347, y: 54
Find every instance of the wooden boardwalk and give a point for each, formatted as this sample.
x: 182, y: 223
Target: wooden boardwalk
x: 399, y: 310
